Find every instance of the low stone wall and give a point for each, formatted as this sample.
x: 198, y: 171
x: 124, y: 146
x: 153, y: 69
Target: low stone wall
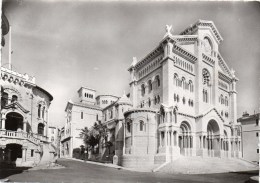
x: 134, y: 161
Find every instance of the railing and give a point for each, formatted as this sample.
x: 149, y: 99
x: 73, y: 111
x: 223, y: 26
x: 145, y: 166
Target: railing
x: 18, y: 134
x: 35, y: 138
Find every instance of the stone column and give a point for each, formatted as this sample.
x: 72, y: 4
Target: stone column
x: 188, y: 141
x: 132, y: 149
x: 24, y: 126
x: 172, y: 138
x: 124, y: 137
x: 160, y: 139
x: 3, y: 123
x: 24, y: 149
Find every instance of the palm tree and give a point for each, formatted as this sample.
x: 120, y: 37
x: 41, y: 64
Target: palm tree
x: 86, y: 135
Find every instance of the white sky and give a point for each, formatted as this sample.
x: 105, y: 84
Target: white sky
x: 67, y: 44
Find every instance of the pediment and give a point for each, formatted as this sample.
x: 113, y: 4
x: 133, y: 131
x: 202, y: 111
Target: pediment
x: 215, y: 112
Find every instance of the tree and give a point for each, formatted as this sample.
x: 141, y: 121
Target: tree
x: 92, y: 136
x: 108, y: 144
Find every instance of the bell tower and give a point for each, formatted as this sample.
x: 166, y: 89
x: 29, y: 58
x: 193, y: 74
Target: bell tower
x: 87, y: 95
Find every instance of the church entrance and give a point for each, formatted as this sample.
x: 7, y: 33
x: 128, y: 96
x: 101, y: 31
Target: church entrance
x: 185, y: 139
x: 213, y: 139
x: 14, y: 121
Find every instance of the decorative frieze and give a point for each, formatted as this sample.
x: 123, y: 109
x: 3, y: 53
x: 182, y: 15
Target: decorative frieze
x: 208, y: 60
x: 16, y: 78
x: 150, y: 67
x: 177, y: 49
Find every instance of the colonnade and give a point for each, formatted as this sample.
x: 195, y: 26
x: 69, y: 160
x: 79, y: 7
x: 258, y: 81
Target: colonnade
x: 168, y: 138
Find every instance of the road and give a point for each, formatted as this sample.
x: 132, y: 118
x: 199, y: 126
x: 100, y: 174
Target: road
x: 80, y: 172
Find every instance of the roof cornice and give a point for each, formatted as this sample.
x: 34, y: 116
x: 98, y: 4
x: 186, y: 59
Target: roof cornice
x: 154, y: 53
x: 203, y: 23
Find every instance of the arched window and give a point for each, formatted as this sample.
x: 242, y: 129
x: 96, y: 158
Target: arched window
x: 14, y: 98
x: 207, y: 45
x: 40, y: 128
x: 81, y: 114
x: 183, y: 100
x: 226, y: 101
x: 190, y: 86
x: 158, y: 99
x: 155, y: 100
x: 183, y: 82
x: 111, y: 114
x: 141, y: 123
x: 206, y: 96
x: 175, y: 79
x: 43, y: 111
x: 39, y: 110
x: 142, y: 89
x: 205, y: 77
x: 149, y: 102
x: 85, y: 95
x: 157, y: 79
x: 128, y: 127
x: 150, y: 86
x: 4, y: 99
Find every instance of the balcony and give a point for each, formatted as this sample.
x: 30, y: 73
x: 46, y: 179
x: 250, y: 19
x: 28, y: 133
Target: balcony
x: 21, y: 135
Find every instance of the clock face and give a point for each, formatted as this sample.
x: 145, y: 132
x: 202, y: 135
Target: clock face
x: 207, y: 46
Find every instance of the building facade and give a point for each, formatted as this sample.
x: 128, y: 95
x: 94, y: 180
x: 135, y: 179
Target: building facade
x: 250, y: 136
x: 24, y: 119
x: 24, y: 116
x: 80, y: 114
x: 182, y: 102
x: 53, y: 137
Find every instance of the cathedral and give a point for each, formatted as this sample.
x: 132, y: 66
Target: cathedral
x: 182, y: 102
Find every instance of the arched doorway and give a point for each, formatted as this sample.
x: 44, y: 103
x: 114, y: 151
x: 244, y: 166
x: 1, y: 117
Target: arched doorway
x: 213, y: 139
x: 14, y: 121
x: 13, y: 151
x: 225, y: 144
x: 185, y: 138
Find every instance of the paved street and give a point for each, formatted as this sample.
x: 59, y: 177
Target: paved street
x: 76, y: 171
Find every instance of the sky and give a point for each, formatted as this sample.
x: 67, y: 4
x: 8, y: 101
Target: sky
x: 69, y: 44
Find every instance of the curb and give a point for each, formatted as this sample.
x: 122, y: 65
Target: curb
x: 107, y: 165
x: 4, y: 180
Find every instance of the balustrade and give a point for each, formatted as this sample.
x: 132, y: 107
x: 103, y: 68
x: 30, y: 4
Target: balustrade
x: 22, y: 135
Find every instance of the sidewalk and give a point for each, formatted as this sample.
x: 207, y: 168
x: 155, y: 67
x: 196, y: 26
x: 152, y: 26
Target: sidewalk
x: 110, y: 165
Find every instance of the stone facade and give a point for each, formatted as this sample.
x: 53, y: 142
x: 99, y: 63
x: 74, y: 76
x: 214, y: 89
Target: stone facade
x: 79, y: 114
x: 189, y: 85
x: 24, y: 119
x: 182, y: 102
x: 250, y: 136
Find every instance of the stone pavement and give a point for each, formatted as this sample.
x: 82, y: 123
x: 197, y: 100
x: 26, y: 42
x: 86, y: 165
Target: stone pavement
x: 199, y: 165
x: 80, y: 172
x: 114, y: 166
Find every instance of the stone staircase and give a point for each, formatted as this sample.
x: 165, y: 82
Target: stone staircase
x: 199, y: 165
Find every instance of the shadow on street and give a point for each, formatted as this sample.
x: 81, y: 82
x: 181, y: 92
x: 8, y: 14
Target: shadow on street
x: 6, y: 172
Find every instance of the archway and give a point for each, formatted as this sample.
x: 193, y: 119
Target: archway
x: 185, y: 138
x: 213, y: 138
x: 14, y: 121
x: 13, y: 151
